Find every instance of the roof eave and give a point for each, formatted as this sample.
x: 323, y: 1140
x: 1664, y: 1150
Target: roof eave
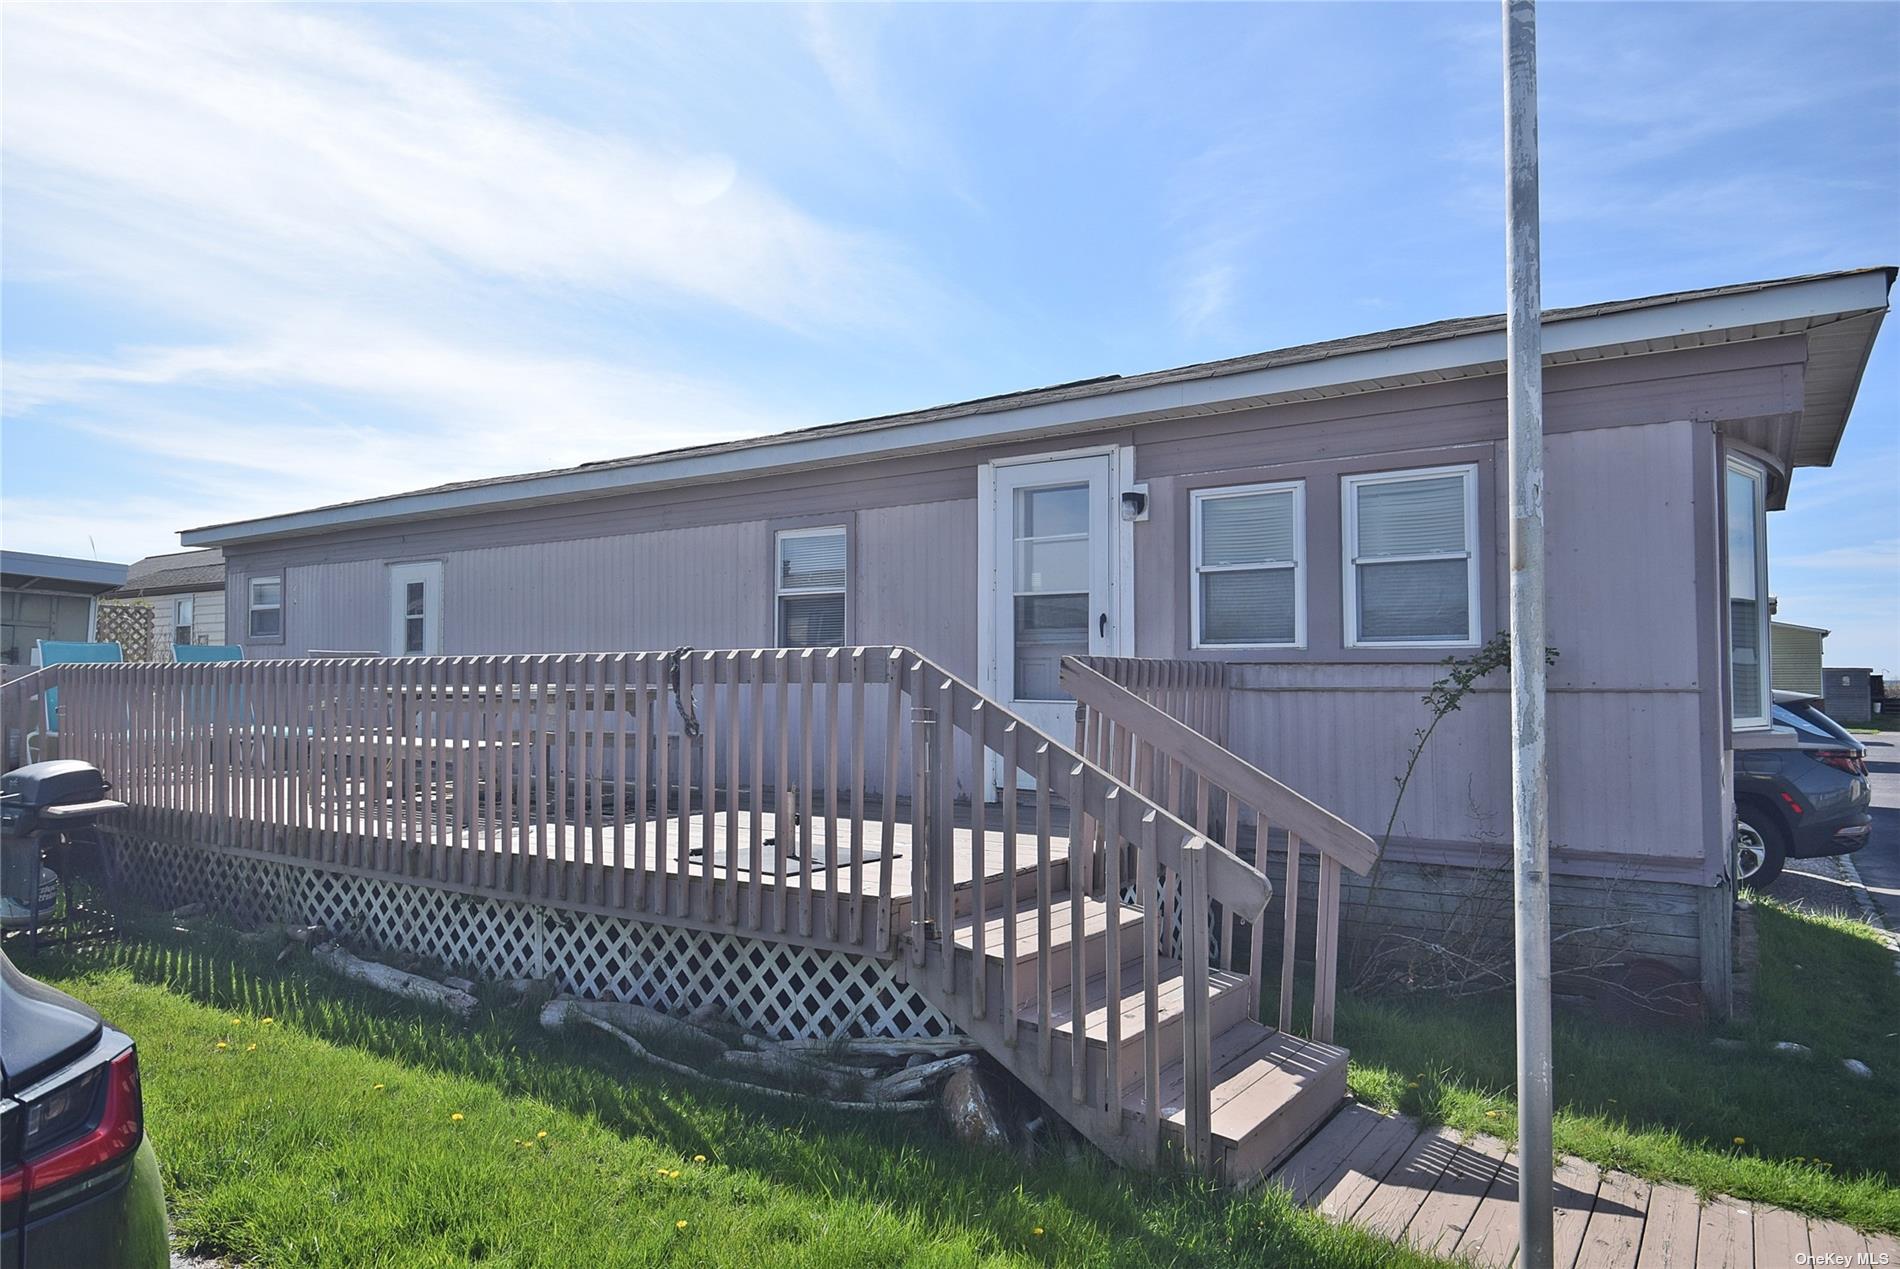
x: 1769, y: 310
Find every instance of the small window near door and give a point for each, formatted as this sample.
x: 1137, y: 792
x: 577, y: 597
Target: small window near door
x: 1249, y: 561
x: 1411, y: 558
x: 811, y: 587
x: 266, y: 608
x: 181, y: 619
x: 415, y: 609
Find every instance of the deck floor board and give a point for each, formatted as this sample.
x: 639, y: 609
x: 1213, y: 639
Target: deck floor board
x: 1457, y: 1198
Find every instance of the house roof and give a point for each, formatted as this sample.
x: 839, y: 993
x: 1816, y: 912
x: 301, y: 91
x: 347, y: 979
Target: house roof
x: 1840, y: 312
x: 24, y: 570
x: 178, y: 573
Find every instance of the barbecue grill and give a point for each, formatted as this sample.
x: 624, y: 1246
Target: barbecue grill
x: 49, y: 812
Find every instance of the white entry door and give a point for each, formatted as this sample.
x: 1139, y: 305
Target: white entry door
x: 415, y: 609
x: 1054, y: 544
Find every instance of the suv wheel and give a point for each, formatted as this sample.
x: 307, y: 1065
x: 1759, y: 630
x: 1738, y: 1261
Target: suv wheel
x: 1760, y: 848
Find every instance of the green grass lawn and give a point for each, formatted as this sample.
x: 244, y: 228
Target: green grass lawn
x: 303, y: 1121
x: 1668, y: 1105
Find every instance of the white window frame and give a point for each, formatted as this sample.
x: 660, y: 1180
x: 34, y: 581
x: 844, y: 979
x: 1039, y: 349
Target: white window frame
x: 1758, y: 473
x: 399, y: 577
x: 1350, y: 561
x: 184, y: 609
x: 780, y: 592
x: 252, y: 607
x: 1297, y: 564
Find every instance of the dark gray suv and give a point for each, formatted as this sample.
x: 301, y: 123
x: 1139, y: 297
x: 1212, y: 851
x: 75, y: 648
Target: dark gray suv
x: 1808, y: 799
x: 79, y: 1182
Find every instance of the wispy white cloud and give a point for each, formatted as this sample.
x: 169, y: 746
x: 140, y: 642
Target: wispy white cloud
x: 384, y: 271
x: 284, y: 131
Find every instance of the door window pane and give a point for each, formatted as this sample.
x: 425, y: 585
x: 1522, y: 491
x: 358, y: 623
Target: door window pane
x: 1052, y: 566
x: 1048, y: 628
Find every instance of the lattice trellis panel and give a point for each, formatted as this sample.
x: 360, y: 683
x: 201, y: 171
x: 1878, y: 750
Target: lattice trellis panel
x: 780, y: 989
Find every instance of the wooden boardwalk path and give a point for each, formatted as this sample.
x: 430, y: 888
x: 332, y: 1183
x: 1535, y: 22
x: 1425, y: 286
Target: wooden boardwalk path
x: 1456, y: 1196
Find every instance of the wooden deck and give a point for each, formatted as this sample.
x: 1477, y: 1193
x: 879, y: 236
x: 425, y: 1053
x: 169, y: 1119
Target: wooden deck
x: 1456, y: 1197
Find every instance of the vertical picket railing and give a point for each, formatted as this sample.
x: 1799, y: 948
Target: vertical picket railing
x: 754, y: 790
x: 1161, y: 721
x: 1083, y: 830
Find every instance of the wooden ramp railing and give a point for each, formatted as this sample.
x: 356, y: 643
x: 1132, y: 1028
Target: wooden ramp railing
x: 1084, y: 930
x: 1161, y: 725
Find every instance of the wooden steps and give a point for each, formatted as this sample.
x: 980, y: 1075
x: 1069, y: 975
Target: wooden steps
x: 1270, y: 1090
x: 1028, y: 920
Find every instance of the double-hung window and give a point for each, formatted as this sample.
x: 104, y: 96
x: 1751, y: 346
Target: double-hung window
x: 181, y: 619
x: 1249, y: 565
x: 1745, y: 506
x: 266, y: 608
x: 810, y: 584
x: 1411, y: 558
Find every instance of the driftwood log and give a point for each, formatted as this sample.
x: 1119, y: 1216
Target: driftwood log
x: 559, y: 1013
x: 395, y: 981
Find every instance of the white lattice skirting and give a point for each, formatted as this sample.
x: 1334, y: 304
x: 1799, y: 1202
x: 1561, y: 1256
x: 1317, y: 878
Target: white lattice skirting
x: 777, y: 989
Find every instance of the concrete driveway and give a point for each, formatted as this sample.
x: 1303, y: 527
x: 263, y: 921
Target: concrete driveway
x: 1824, y: 885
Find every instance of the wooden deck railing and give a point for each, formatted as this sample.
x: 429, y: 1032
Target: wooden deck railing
x: 766, y: 792
x: 1135, y: 717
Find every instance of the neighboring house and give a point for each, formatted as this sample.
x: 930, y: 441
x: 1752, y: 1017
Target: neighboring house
x: 1330, y: 519
x: 49, y: 597
x: 185, y: 591
x: 1850, y: 694
x: 1795, y: 653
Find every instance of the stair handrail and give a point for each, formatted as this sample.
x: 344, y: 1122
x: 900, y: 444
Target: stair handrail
x: 1117, y: 720
x: 1110, y: 818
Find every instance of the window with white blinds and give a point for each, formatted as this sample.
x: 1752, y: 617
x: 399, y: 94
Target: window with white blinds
x: 810, y: 598
x: 1411, y: 557
x: 1249, y: 546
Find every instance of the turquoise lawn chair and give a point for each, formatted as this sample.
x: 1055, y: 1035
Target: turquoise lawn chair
x: 50, y: 652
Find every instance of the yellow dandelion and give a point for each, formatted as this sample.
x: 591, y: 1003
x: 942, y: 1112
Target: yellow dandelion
x: 1037, y: 1231
x: 1741, y: 1141
x: 237, y: 1022
x: 1490, y: 1114
x: 679, y: 1224
x: 699, y: 1158
x: 661, y: 1171
x: 456, y: 1118
x: 265, y: 1022
x: 223, y: 1045
x: 674, y: 1175
x: 541, y: 1135
x: 376, y: 1087
x: 250, y: 1048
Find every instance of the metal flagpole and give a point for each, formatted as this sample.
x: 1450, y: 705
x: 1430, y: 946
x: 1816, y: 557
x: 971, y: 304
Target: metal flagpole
x: 1529, y: 793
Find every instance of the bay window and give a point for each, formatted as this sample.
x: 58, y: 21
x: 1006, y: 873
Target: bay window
x: 1745, y: 507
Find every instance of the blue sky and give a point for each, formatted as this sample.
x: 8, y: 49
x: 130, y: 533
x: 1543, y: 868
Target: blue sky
x: 264, y: 258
